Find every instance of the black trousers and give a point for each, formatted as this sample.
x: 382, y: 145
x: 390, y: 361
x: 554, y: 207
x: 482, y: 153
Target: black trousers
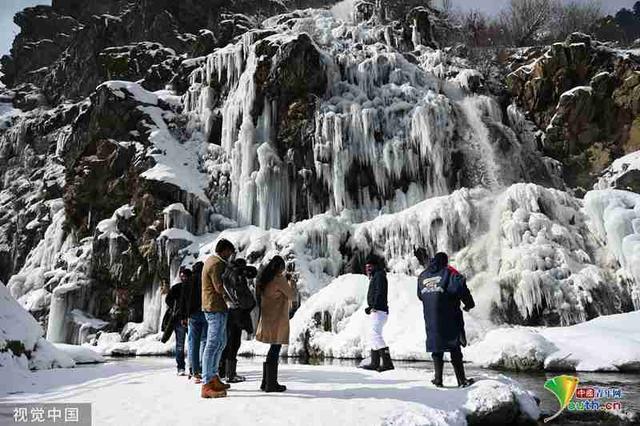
x: 274, y: 354
x: 456, y: 355
x: 234, y: 339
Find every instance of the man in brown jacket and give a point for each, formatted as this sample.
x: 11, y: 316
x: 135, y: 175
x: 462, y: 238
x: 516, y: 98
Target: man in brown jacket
x: 215, y: 311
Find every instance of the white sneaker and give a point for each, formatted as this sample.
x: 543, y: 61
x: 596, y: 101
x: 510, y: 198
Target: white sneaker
x: 181, y: 373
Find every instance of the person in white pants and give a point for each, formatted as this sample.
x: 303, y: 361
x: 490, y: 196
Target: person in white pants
x: 378, y: 310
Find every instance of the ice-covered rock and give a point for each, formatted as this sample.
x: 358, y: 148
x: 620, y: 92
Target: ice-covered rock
x: 300, y: 134
x: 519, y: 349
x: 608, y: 343
x: 22, y: 345
x: 615, y: 216
x: 109, y: 344
x: 623, y: 174
x: 80, y: 354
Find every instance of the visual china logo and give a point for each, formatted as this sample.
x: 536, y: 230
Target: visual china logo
x: 564, y: 388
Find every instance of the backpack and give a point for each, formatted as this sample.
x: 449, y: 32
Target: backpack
x: 237, y: 293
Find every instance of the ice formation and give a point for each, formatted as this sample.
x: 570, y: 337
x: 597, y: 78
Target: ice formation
x: 405, y: 151
x: 381, y: 115
x: 22, y: 345
x: 615, y: 216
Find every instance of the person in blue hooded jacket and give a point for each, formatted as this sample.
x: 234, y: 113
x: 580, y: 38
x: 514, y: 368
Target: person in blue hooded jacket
x: 442, y: 290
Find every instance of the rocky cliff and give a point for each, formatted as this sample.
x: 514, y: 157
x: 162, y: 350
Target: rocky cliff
x: 586, y: 98
x: 134, y: 134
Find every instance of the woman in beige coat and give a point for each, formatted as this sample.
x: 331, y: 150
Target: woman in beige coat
x: 275, y: 295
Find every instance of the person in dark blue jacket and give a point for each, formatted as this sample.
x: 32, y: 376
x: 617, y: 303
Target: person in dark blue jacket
x: 378, y: 311
x: 442, y: 289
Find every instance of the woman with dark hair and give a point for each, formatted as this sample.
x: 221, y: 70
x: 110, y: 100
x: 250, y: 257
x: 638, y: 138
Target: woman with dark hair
x: 275, y: 295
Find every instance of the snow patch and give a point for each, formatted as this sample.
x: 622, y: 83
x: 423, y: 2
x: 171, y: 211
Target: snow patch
x: 608, y: 343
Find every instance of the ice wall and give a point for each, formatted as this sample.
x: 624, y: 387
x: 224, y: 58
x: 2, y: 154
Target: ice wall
x: 389, y: 132
x: 615, y: 219
x: 528, y: 252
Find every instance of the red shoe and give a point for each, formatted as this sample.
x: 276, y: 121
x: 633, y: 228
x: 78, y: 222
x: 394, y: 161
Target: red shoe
x: 219, y: 384
x: 209, y: 391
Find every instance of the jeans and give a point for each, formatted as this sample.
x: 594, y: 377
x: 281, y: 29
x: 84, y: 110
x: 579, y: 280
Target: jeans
x: 378, y: 320
x: 197, y: 341
x: 181, y: 332
x: 216, y: 341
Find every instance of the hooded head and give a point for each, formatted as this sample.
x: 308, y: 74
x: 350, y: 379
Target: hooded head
x: 184, y: 274
x: 372, y: 263
x: 439, y: 262
x: 422, y: 255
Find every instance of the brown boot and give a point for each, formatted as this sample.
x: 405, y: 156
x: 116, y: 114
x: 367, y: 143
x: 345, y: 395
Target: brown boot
x: 209, y: 391
x: 217, y: 383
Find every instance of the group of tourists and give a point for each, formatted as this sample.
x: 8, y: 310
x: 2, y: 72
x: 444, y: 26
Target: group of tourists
x: 213, y: 302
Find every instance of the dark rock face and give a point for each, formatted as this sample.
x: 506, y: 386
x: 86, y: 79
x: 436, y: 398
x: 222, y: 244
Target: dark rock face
x: 69, y: 48
x: 30, y: 176
x: 586, y: 97
x: 150, y: 62
x: 44, y: 35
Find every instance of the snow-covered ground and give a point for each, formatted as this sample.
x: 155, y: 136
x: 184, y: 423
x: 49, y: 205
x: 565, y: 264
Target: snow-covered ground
x: 148, y: 392
x: 610, y: 343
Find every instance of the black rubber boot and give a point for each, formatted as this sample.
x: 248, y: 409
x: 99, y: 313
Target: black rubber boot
x: 232, y: 376
x: 375, y: 361
x: 263, y: 386
x: 272, y: 384
x: 458, y: 368
x: 438, y: 368
x: 386, y: 363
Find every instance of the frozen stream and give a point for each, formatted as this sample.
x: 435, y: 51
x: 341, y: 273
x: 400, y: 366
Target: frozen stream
x: 533, y: 381
x: 137, y: 386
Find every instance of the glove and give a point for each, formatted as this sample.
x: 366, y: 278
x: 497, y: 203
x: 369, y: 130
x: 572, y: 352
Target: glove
x: 368, y: 310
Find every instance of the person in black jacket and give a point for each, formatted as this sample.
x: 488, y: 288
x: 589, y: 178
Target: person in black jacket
x: 442, y: 289
x: 235, y: 280
x: 197, y: 324
x: 177, y: 301
x: 378, y: 310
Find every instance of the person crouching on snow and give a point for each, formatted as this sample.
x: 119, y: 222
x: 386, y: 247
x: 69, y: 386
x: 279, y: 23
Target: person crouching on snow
x: 441, y: 289
x: 275, y: 296
x: 378, y: 310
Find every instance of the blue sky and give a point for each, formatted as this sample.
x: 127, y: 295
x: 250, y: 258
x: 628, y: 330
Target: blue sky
x: 9, y: 7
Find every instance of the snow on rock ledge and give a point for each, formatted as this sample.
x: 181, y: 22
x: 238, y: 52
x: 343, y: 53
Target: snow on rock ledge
x: 564, y: 348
